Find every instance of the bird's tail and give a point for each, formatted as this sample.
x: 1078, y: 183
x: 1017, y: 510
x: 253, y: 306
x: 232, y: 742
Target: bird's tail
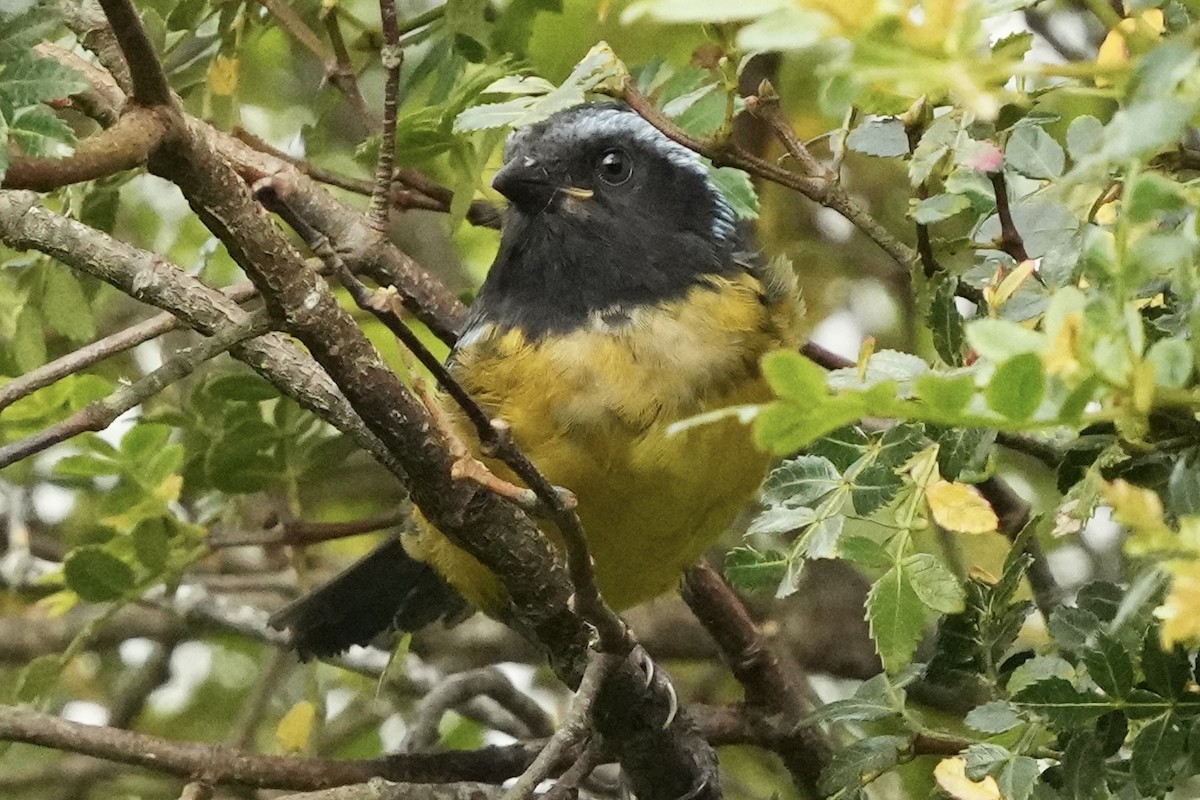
x: 385, y: 589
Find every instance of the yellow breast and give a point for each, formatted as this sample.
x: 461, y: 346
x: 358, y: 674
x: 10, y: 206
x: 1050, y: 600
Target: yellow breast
x: 592, y: 409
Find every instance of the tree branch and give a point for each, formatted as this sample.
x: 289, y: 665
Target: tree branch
x: 392, y: 56
x: 98, y: 415
x: 126, y: 145
x: 150, y: 86
x: 1010, y: 239
x: 457, y: 690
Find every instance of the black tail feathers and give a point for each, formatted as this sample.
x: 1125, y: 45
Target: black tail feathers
x: 385, y: 589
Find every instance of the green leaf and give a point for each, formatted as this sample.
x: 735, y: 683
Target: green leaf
x: 152, y: 544
x: 897, y: 617
x: 1037, y: 669
x: 97, y: 575
x: 1109, y: 666
x: 738, y: 190
x: 1064, y: 706
x: 998, y: 339
x: 962, y: 451
x: 1043, y: 225
x: 143, y: 441
x: 934, y: 584
x: 1154, y: 195
x: 865, y: 552
x: 983, y: 757
x: 884, y: 138
x: 842, y: 447
x: 1083, y: 769
x: 1034, y: 153
x: 947, y: 393
x: 86, y: 466
x: 874, y: 487
x: 243, y: 386
x: 934, y: 146
x: 39, y: 132
x: 800, y: 481
x: 1017, y: 386
x: 1085, y: 136
x: 465, y: 18
x: 1172, y: 360
x: 875, y: 699
x: 789, y: 28
x: 785, y: 427
x: 66, y: 307
x: 794, y: 377
x: 36, y: 80
x: 1167, y: 673
x: 1017, y: 778
x: 750, y: 570
x: 946, y: 324
x: 699, y: 11
x: 1144, y: 128
x: 1072, y: 627
x: 21, y: 31
x: 1157, y: 754
x: 997, y: 716
x: 861, y: 761
x: 939, y: 207
x: 37, y: 678
x: 781, y: 519
x: 29, y: 340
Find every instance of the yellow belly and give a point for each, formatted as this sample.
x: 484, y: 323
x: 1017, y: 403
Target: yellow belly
x: 592, y: 409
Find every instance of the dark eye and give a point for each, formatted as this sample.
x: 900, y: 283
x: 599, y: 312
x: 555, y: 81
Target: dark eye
x: 614, y: 167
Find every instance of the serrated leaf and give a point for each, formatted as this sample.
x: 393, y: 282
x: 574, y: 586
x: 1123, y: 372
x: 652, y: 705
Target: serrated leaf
x: 1034, y: 153
x: 1083, y: 769
x: 1109, y: 666
x: 1044, y: 226
x: 97, y: 575
x: 800, y: 481
x: 751, y: 570
x: 1072, y: 627
x: 39, y: 132
x: 865, y: 552
x: 960, y: 507
x: 781, y: 519
x: 861, y: 759
x: 897, y: 618
x: 982, y: 757
x: 29, y: 81
x: 1064, y: 706
x: 946, y: 324
x: 1017, y: 778
x: 934, y: 584
x: 884, y: 138
x: 519, y: 85
x: 885, y: 365
x: 874, y: 487
x: 1017, y: 386
x: 842, y: 447
x: 295, y: 729
x: 1038, y: 669
x: 997, y: 716
x: 962, y: 451
x: 738, y: 189
x: 876, y: 698
x: 1156, y: 754
x: 1167, y: 672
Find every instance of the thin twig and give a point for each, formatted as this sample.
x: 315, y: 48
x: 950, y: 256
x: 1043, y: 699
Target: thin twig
x: 393, y: 57
x: 573, y: 729
x: 567, y: 785
x: 828, y: 193
x: 1010, y: 239
x: 457, y: 690
x: 101, y: 349
x: 299, y: 533
x: 342, y: 72
x: 225, y: 765
x: 98, y: 415
x: 769, y: 689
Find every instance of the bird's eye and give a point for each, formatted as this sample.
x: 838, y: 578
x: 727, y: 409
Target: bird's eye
x: 614, y: 167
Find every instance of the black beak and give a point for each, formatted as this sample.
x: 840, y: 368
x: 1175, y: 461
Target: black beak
x: 526, y: 183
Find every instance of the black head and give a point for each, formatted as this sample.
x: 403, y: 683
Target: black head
x: 606, y: 213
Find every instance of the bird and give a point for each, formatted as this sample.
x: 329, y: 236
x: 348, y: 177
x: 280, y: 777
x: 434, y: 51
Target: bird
x: 625, y: 297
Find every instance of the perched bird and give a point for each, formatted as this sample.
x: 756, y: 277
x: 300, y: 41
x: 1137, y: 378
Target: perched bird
x: 624, y: 298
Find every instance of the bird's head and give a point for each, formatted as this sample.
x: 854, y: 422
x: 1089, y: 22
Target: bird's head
x: 603, y: 167
x: 606, y: 214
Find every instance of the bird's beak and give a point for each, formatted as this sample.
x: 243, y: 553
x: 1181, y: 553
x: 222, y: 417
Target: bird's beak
x: 526, y: 183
